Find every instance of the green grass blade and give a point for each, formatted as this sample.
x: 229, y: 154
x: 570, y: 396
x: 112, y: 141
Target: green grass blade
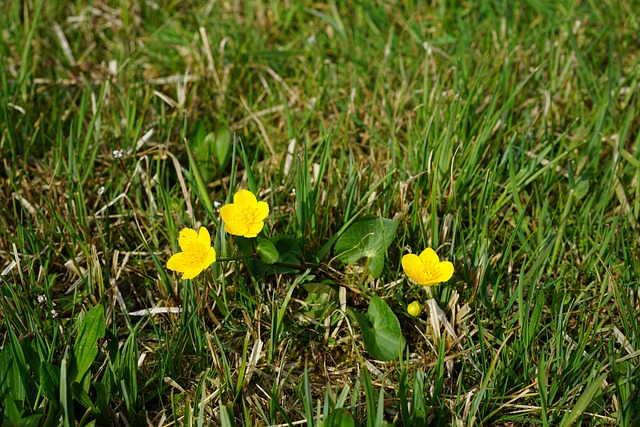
x: 583, y: 402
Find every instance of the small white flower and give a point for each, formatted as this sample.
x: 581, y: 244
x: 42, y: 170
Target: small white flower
x: 101, y: 190
x: 293, y: 192
x: 118, y: 154
x: 217, y: 204
x: 54, y: 314
x: 41, y: 298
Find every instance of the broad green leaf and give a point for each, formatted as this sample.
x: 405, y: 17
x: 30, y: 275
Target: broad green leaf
x: 245, y: 246
x: 34, y: 420
x: 50, y: 382
x: 11, y: 411
x: 222, y: 143
x: 581, y: 189
x: 32, y: 357
x: 211, y: 147
x: 85, y: 349
x: 102, y: 398
x: 257, y: 265
x: 289, y: 254
x: 14, y: 369
x: 367, y: 238
x: 266, y: 250
x: 82, y: 397
x: 381, y: 331
x: 289, y: 250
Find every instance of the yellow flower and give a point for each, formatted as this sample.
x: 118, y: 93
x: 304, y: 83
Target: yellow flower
x: 427, y: 269
x: 245, y: 216
x: 414, y: 309
x: 197, y: 253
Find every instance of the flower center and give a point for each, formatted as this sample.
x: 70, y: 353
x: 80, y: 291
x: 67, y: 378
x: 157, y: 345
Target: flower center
x: 428, y: 272
x: 248, y: 216
x: 197, y: 253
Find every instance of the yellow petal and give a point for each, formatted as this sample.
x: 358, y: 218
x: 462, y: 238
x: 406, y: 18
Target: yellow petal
x: 204, y: 238
x: 229, y: 213
x: 413, y: 267
x: 178, y: 262
x: 211, y: 257
x: 187, y: 238
x: 262, y: 211
x: 445, y: 271
x: 236, y: 228
x: 245, y: 200
x: 429, y: 257
x: 192, y: 272
x: 254, y: 229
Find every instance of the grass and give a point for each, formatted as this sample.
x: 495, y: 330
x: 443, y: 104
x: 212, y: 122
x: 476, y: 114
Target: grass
x: 503, y: 135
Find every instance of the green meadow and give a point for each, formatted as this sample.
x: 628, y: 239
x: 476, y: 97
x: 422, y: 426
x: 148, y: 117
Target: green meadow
x: 503, y: 135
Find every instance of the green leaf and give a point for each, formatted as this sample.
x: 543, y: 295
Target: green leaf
x: 66, y: 402
x: 367, y: 238
x: 289, y: 250
x: 266, y: 250
x: 418, y: 410
x: 339, y: 418
x: 102, y: 398
x: 583, y: 402
x: 14, y: 374
x: 31, y: 357
x: 210, y: 147
x: 85, y: 349
x: 226, y: 416
x: 82, y: 397
x: 581, y: 189
x: 381, y: 331
x: 34, y: 420
x: 200, y: 182
x: 222, y: 141
x: 11, y: 410
x: 321, y: 300
x: 261, y: 265
x: 50, y: 382
x: 244, y: 246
